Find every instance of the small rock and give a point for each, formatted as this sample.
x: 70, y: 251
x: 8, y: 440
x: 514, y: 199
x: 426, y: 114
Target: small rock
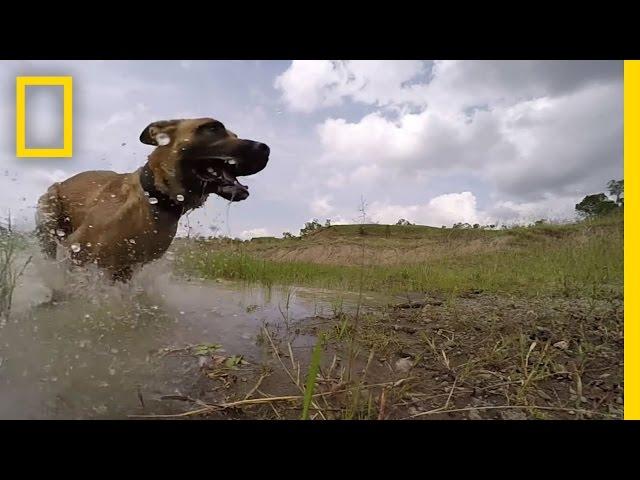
x: 561, y: 345
x: 413, y: 411
x: 404, y: 364
x: 474, y: 415
x: 512, y: 415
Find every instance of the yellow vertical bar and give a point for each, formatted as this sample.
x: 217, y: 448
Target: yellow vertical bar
x: 20, y: 116
x: 67, y: 93
x: 631, y: 240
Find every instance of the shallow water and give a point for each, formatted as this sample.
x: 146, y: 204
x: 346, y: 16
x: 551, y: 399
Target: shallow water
x: 97, y: 351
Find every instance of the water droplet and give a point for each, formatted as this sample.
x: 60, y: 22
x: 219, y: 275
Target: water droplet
x: 146, y: 194
x: 75, y: 247
x: 87, y: 315
x: 180, y: 198
x: 88, y: 244
x: 163, y: 139
x: 52, y: 231
x: 60, y: 233
x: 113, y: 195
x: 153, y: 200
x: 131, y: 240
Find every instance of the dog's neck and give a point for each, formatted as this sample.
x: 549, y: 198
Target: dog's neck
x: 164, y: 202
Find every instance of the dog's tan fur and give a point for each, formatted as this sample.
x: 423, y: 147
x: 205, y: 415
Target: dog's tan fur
x: 108, y: 216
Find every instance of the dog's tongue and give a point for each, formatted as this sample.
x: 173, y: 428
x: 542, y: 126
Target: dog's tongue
x: 234, y: 190
x: 230, y: 178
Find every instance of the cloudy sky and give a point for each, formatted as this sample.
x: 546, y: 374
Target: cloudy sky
x: 435, y: 142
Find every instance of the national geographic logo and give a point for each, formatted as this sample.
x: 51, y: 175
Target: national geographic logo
x: 67, y: 117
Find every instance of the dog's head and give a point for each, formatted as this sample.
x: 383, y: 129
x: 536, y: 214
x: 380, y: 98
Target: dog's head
x: 198, y: 157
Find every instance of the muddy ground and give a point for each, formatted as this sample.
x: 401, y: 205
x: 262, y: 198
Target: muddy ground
x: 177, y: 347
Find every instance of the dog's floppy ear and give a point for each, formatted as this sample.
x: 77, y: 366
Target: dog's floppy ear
x: 151, y: 134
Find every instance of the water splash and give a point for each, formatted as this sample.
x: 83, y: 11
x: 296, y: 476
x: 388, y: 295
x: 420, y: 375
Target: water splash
x: 163, y: 139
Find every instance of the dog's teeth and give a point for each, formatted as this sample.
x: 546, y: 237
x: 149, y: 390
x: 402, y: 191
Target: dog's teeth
x: 180, y: 198
x: 153, y: 200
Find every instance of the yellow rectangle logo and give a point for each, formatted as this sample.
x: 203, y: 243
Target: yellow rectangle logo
x: 67, y: 93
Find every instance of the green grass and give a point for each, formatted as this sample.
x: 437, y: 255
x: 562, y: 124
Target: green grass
x: 575, y: 259
x: 312, y: 373
x: 11, y: 245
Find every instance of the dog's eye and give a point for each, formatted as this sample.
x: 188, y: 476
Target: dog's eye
x: 214, y: 127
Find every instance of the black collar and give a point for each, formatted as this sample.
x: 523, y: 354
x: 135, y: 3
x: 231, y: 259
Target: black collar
x: 164, y: 202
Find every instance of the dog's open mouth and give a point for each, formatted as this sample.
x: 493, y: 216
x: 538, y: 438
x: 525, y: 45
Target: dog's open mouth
x: 218, y: 176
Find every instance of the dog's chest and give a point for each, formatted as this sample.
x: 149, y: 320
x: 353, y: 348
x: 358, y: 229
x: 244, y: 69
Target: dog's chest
x: 153, y: 241
x: 134, y: 239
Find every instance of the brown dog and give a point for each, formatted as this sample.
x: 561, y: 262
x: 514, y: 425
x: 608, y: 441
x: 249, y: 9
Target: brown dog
x: 119, y: 221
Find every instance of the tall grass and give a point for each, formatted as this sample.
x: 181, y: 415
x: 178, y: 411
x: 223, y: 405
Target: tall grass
x: 10, y: 271
x: 312, y: 373
x: 561, y: 259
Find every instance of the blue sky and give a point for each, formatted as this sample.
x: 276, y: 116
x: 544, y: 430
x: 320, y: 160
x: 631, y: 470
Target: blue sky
x: 436, y: 142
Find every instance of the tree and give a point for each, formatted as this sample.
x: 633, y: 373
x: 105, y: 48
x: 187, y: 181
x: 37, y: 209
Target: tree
x: 461, y: 225
x: 616, y: 187
x: 402, y: 221
x: 595, y: 205
x: 310, y: 227
x: 286, y: 235
x: 327, y: 223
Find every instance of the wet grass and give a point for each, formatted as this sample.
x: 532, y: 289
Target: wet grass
x: 11, y: 268
x: 570, y: 260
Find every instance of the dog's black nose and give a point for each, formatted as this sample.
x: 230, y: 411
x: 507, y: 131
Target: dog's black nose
x: 262, y: 148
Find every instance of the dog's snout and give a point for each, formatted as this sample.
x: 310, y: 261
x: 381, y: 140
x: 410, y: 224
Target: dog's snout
x: 262, y: 148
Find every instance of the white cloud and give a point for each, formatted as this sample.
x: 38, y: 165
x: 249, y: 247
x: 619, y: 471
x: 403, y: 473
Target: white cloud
x: 445, y: 85
x: 254, y: 232
x: 308, y: 84
x: 550, y: 144
x: 321, y: 206
x: 445, y: 209
x: 452, y: 208
x: 311, y: 84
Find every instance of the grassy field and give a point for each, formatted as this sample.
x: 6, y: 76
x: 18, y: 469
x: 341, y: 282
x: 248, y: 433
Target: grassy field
x: 583, y: 258
x: 520, y: 323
